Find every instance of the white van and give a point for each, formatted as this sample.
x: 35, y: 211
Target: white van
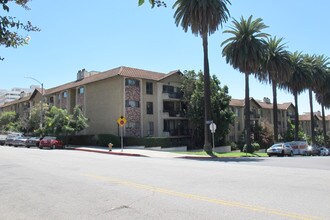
x: 299, y: 147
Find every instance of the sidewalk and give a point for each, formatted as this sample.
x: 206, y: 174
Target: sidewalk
x: 135, y: 151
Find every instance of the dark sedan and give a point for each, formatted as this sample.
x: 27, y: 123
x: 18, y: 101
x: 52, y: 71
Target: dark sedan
x: 32, y: 142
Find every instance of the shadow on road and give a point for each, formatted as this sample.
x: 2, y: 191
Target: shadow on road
x: 228, y: 159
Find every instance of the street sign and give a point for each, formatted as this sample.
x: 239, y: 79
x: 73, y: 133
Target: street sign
x: 121, y: 121
x: 213, y: 127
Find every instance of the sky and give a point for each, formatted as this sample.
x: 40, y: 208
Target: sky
x: 104, y: 34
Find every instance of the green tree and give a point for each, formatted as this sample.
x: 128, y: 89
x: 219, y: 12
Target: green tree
x: 245, y: 51
x: 77, y: 120
x: 35, y: 118
x: 277, y: 68
x: 9, y: 26
x: 192, y: 87
x: 203, y: 17
x: 297, y: 83
x: 153, y: 3
x: 9, y: 121
x: 57, y: 121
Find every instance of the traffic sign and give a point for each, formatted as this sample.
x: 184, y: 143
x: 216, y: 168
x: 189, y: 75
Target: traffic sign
x: 121, y: 121
x: 213, y: 127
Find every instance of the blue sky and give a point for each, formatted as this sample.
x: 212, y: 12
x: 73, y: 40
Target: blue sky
x: 106, y: 34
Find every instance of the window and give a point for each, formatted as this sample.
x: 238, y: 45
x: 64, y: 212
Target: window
x: 149, y: 88
x: 132, y: 82
x: 132, y: 104
x: 168, y: 89
x: 150, y: 108
x: 51, y: 99
x: 65, y: 94
x: 133, y: 125
x: 81, y: 90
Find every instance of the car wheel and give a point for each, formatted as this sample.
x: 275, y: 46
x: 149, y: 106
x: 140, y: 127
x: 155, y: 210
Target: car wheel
x: 291, y: 154
x: 53, y: 146
x: 40, y: 147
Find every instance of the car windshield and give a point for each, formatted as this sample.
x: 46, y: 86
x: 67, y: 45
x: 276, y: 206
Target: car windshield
x: 49, y: 138
x: 276, y: 145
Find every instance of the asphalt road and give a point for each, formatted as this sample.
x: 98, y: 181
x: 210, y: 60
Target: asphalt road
x: 67, y: 184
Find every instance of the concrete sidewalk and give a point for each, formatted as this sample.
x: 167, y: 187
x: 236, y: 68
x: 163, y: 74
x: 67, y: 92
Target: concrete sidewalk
x: 135, y: 151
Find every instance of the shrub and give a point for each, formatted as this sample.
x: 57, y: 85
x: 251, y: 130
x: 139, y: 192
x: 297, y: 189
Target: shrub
x: 254, y: 147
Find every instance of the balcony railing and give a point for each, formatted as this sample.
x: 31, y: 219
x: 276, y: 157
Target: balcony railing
x: 175, y: 113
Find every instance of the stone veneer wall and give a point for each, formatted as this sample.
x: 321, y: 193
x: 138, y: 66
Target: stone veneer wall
x: 133, y: 115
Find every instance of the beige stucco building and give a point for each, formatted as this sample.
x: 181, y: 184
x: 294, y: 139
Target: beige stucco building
x: 150, y: 101
x: 261, y: 112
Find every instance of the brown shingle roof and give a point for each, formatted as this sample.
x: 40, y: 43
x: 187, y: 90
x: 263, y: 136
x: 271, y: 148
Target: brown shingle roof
x: 237, y: 102
x: 122, y: 71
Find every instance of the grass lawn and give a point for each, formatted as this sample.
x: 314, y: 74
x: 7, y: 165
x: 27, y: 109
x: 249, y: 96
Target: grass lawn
x: 229, y: 154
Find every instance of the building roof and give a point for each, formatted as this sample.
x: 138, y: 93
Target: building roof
x: 119, y: 71
x: 237, y: 102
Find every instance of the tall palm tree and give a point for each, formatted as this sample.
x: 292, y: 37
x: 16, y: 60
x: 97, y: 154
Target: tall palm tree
x: 314, y: 67
x: 297, y: 84
x: 245, y: 51
x: 203, y: 17
x: 277, y: 68
x: 322, y: 88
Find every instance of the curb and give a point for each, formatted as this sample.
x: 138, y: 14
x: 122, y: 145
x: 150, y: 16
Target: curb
x: 110, y: 152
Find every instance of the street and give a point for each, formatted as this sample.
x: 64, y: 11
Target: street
x: 68, y: 184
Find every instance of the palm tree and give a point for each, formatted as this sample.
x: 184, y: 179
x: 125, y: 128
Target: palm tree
x: 297, y: 84
x: 322, y: 88
x: 245, y: 51
x: 277, y: 68
x: 314, y: 67
x: 203, y: 17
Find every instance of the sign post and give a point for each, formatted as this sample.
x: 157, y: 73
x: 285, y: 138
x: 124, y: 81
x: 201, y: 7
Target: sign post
x: 213, y: 127
x: 121, y: 121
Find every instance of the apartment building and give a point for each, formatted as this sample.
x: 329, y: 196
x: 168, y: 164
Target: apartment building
x: 261, y: 112
x: 305, y: 122
x: 150, y: 101
x: 23, y: 104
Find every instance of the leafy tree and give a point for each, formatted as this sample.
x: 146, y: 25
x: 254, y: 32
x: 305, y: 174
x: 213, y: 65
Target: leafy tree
x: 153, y: 3
x: 78, y: 121
x: 203, y: 18
x: 290, y: 132
x: 192, y: 88
x: 9, y: 121
x: 34, y: 119
x: 277, y: 68
x: 9, y: 26
x: 245, y: 50
x: 57, y: 122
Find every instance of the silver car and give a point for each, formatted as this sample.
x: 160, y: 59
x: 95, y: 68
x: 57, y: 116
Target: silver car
x: 280, y: 149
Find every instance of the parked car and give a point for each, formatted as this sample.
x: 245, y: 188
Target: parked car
x: 3, y: 139
x: 323, y: 151
x: 280, y: 149
x: 10, y: 138
x: 32, y: 142
x: 313, y: 150
x: 51, y: 142
x: 19, y: 141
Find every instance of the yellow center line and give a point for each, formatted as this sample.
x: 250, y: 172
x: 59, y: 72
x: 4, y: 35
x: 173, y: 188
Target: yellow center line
x: 253, y: 208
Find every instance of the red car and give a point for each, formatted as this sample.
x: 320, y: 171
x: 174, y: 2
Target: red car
x: 51, y: 142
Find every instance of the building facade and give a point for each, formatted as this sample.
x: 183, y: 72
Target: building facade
x: 150, y: 102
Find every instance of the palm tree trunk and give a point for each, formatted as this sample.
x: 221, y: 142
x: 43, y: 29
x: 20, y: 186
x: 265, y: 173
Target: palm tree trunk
x: 296, y: 117
x: 275, y: 116
x: 323, y: 124
x: 247, y: 114
x: 207, y: 97
x: 312, y: 115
